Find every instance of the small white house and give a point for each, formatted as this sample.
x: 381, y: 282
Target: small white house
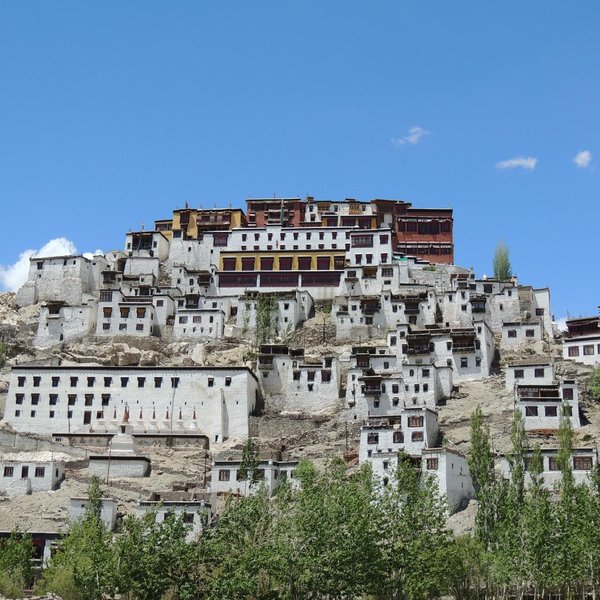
x: 518, y: 335
x: 532, y: 371
x: 582, y: 342
x: 583, y: 461
x: 225, y: 477
x: 22, y: 473
x: 108, y: 511
x: 195, y: 513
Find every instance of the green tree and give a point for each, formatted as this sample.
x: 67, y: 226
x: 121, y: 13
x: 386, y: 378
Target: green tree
x: 414, y: 537
x: 249, y: 470
x: 502, y: 269
x: 2, y: 354
x: 16, y: 553
x: 153, y: 558
x: 595, y: 384
x: 83, y: 566
x: 481, y: 466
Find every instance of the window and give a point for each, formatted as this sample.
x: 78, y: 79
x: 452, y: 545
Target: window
x: 224, y: 474
x: 553, y: 464
x: 40, y: 472
x: 296, y: 375
x: 398, y: 437
x: 310, y: 375
x: 19, y: 398
x: 211, y: 382
x: 582, y: 463
x: 139, y: 327
x: 227, y: 381
x: 157, y: 382
x: 91, y: 381
x: 141, y: 381
x: 550, y: 411
x: 588, y: 350
x: 174, y: 382
x: 529, y: 333
x: 512, y: 333
x: 416, y: 436
x: 567, y: 410
x: 432, y: 464
x: 464, y: 362
x: 188, y: 517
x: 124, y: 312
x: 372, y: 438
x: 567, y: 393
x: 124, y: 381
x: 325, y: 376
x: 285, y: 263
x: 183, y: 320
x: 105, y: 399
x: 53, y: 399
x: 72, y: 399
x: 24, y: 472
x: 362, y: 241
x: 539, y: 372
x: 8, y: 471
x: 51, y: 414
x: 574, y: 351
x: 531, y: 411
x: 89, y: 399
x: 55, y: 381
x: 35, y: 399
x: 73, y: 381
x: 304, y: 263
x: 415, y: 421
x: 36, y: 381
x: 519, y: 373
x: 539, y: 312
x: 107, y: 381
x: 21, y: 382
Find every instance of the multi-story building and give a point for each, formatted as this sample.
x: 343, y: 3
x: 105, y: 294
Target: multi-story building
x: 214, y: 401
x: 582, y: 340
x: 295, y: 383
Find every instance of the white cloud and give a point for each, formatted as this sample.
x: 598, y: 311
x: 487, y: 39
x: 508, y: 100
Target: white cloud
x: 12, y: 277
x: 528, y: 163
x: 561, y: 324
x: 583, y: 159
x: 412, y: 137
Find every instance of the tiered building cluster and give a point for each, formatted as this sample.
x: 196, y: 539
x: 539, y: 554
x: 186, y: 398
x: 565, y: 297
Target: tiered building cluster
x: 417, y: 326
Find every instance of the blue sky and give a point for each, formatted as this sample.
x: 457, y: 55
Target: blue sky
x: 114, y: 113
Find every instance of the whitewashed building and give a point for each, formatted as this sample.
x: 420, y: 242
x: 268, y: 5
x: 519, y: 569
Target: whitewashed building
x: 519, y: 335
x: 582, y: 462
x: 59, y: 322
x: 215, y: 401
x: 538, y: 370
x: 196, y: 514
x: 108, y: 510
x: 22, y: 473
x: 226, y: 479
x: 295, y: 383
x: 287, y: 310
x: 542, y: 406
x: 68, y: 279
x: 582, y: 341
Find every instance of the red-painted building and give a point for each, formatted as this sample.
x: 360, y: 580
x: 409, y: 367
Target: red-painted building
x: 426, y: 233
x: 287, y: 212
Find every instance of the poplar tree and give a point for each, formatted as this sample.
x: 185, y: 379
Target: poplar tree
x: 502, y: 269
